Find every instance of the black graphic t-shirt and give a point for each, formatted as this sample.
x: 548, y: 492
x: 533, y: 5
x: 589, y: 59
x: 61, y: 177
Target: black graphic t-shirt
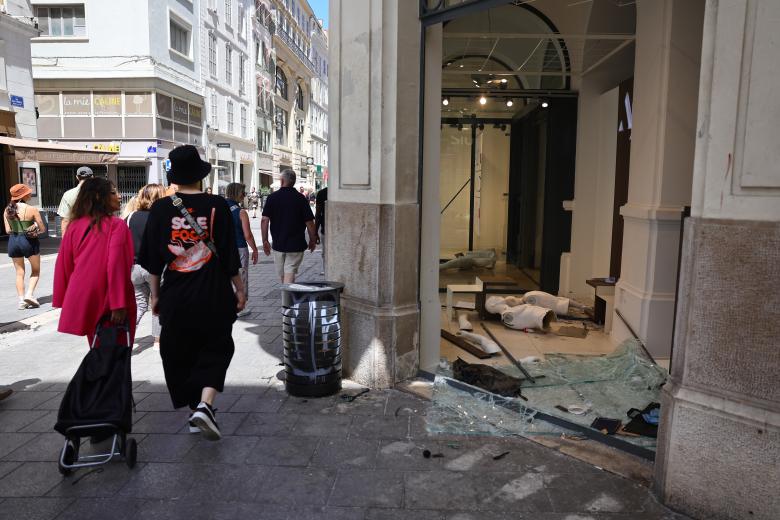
x: 196, y: 286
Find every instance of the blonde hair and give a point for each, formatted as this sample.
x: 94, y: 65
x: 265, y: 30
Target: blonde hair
x: 148, y: 195
x: 131, y: 206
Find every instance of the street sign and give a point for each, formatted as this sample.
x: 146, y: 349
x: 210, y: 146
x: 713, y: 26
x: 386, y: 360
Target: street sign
x: 223, y: 145
x: 151, y: 149
x: 310, y: 160
x: 17, y: 101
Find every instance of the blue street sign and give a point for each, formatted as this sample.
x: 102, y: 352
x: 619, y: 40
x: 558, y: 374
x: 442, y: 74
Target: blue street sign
x: 151, y: 149
x: 17, y: 101
x: 167, y: 165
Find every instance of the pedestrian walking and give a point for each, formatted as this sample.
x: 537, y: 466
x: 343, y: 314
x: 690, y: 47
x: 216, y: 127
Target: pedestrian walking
x: 235, y: 192
x: 288, y: 214
x: 140, y: 277
x: 319, y: 222
x: 23, y: 223
x: 254, y: 201
x: 92, y: 274
x: 69, y: 198
x: 190, y: 236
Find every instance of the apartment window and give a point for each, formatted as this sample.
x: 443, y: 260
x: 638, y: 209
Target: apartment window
x: 66, y: 20
x: 229, y: 12
x: 213, y: 55
x: 299, y: 98
x: 241, y: 22
x: 178, y: 121
x: 280, y: 122
x: 179, y: 38
x: 263, y: 141
x: 214, y: 111
x: 241, y: 74
x: 299, y: 134
x: 244, y: 133
x: 230, y: 116
x: 281, y: 83
x: 229, y: 64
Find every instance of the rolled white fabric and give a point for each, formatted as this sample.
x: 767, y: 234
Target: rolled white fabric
x: 557, y: 304
x: 463, y: 322
x: 528, y: 317
x: 483, y: 342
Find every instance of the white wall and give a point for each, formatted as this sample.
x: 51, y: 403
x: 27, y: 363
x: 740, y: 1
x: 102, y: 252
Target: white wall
x: 16, y: 74
x: 605, y: 183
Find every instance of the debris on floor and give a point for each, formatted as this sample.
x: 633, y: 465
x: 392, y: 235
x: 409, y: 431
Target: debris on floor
x: 481, y: 399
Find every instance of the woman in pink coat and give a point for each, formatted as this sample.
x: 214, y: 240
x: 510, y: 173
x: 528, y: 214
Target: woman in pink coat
x: 92, y: 274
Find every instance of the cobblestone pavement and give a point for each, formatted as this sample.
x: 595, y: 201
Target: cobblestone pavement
x: 281, y: 457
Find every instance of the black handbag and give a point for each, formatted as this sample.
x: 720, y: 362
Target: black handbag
x: 101, y: 390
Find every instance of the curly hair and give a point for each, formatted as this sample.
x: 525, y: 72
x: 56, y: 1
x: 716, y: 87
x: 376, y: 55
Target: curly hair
x: 94, y: 200
x: 148, y: 195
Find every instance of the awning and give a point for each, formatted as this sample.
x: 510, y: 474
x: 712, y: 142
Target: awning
x: 265, y: 172
x: 27, y: 150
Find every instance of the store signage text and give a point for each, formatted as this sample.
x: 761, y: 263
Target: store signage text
x: 17, y: 101
x: 223, y: 145
x: 107, y: 147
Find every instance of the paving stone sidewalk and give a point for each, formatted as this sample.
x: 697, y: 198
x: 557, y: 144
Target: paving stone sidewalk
x: 281, y: 457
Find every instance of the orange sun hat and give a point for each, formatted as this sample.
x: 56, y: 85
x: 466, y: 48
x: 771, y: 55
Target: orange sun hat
x: 19, y: 191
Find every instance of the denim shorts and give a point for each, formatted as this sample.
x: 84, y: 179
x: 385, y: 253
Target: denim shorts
x: 19, y: 246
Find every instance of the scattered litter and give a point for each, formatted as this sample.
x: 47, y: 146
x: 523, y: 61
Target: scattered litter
x: 577, y: 409
x: 500, y: 455
x: 351, y: 397
x: 404, y: 408
x: 463, y: 322
x: 607, y: 426
x: 486, y: 344
x: 487, y: 378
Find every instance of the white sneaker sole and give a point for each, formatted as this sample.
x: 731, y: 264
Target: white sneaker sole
x: 206, y: 426
x: 32, y: 303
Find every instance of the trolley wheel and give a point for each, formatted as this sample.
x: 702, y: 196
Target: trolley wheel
x: 69, y: 458
x: 131, y: 453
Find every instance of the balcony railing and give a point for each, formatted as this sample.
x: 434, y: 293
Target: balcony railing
x: 296, y: 50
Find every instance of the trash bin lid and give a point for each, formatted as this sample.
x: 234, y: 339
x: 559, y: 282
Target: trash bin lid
x: 312, y: 287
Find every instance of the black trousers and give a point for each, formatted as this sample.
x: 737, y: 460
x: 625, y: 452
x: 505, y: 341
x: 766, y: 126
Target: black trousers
x: 194, y: 358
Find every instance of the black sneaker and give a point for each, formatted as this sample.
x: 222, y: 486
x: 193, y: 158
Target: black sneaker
x: 204, y: 419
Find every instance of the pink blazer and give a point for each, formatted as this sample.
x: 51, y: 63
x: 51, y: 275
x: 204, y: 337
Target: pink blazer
x: 92, y: 275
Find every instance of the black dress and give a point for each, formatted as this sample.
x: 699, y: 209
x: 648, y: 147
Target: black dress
x: 197, y: 304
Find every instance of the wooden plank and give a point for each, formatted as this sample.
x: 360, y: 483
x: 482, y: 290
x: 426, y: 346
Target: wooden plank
x: 465, y: 345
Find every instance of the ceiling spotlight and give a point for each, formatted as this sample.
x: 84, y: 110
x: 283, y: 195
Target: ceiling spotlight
x: 445, y: 101
x: 503, y: 80
x: 509, y: 102
x: 461, y: 65
x: 482, y: 100
x: 545, y: 104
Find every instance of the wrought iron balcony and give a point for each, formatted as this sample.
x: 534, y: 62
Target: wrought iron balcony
x: 296, y: 50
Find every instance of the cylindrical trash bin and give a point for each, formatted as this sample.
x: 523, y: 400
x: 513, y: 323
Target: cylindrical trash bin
x: 311, y: 330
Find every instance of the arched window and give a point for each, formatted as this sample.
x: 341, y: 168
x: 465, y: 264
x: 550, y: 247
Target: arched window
x: 299, y: 98
x: 281, y: 83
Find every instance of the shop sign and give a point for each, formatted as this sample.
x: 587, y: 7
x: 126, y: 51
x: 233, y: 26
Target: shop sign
x: 108, y: 103
x: 151, y: 149
x: 223, y: 145
x: 17, y: 101
x: 310, y: 160
x: 180, y: 110
x: 76, y: 103
x: 107, y: 147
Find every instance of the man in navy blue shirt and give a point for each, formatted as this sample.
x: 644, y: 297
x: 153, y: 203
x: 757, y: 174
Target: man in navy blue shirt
x: 289, y: 216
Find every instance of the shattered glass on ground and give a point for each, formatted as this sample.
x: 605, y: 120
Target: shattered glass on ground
x: 606, y: 386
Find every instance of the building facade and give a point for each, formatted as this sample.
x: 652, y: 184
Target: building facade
x: 17, y: 98
x: 123, y: 78
x: 228, y: 72
x: 318, y: 107
x: 294, y: 71
x: 702, y: 135
x: 265, y: 58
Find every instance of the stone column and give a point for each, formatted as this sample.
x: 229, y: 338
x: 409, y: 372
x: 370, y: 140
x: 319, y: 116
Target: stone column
x: 373, y: 214
x: 666, y: 82
x: 719, y: 440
